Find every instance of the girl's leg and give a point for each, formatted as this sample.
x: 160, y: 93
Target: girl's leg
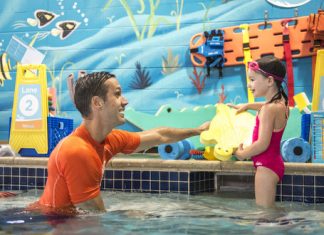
x: 265, y: 187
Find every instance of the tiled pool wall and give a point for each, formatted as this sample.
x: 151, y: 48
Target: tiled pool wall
x: 301, y: 188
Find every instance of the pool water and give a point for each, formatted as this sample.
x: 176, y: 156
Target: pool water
x: 139, y: 213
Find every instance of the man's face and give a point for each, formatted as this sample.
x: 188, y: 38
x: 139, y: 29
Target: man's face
x: 115, y: 104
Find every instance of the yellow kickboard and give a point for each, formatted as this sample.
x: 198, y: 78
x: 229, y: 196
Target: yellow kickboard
x: 227, y: 131
x: 30, y: 109
x: 318, y: 93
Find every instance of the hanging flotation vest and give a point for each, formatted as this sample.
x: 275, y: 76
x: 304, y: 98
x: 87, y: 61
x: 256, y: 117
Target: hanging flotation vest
x: 207, y: 49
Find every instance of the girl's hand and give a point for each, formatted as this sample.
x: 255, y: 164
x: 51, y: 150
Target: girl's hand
x: 239, y: 152
x: 240, y: 107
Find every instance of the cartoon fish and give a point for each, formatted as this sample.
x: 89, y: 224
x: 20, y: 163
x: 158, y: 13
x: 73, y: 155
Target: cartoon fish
x: 65, y: 28
x: 42, y: 18
x: 4, y: 68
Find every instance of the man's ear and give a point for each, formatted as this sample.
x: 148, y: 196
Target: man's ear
x: 97, y: 102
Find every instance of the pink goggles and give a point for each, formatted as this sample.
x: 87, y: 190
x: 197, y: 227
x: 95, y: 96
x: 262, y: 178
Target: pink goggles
x: 254, y: 66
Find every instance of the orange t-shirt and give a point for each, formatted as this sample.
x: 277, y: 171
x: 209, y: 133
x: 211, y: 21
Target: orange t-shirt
x: 76, y: 166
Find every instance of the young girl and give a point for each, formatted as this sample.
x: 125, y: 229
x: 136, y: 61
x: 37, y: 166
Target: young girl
x: 266, y: 77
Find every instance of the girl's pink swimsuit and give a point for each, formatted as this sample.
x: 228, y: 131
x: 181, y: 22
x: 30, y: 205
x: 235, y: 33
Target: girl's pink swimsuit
x: 271, y: 157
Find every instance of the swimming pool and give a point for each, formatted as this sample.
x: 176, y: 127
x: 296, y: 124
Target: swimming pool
x: 141, y: 213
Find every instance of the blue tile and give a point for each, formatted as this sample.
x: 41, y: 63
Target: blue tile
x: 127, y: 184
x: 109, y: 174
x: 155, y: 185
x: 136, y: 175
x: 278, y: 198
x: 7, y: 180
x: 286, y: 190
x: 118, y: 175
x: 7, y: 187
x: 23, y: 180
x: 15, y: 187
x: 183, y: 176
x: 15, y: 180
x: 319, y: 200
x: 183, y: 187
x: 155, y: 175
x: 40, y: 181
x: 298, y: 199
x: 309, y: 200
x: 15, y: 171
x: 319, y: 180
x: 23, y: 187
x: 31, y: 172
x: 46, y: 172
x: 319, y: 191
x: 146, y: 175
x: 31, y: 181
x: 298, y: 190
x: 164, y: 186
x: 127, y: 175
x: 287, y: 198
x: 146, y: 185
x: 309, y: 191
x: 23, y: 171
x: 298, y: 180
x: 164, y: 175
x: 118, y: 184
x: 174, y: 176
x: 109, y: 184
x: 287, y: 179
x: 1, y: 171
x: 278, y: 190
x: 309, y: 180
x: 7, y: 171
x: 40, y: 172
x: 192, y: 176
x: 174, y: 186
x: 136, y: 185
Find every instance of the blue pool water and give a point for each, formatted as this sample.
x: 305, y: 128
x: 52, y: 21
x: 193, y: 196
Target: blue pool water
x: 138, y: 213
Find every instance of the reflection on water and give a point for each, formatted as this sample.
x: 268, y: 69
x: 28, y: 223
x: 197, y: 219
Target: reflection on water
x: 138, y: 213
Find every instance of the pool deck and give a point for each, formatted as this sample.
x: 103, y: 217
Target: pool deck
x: 152, y: 163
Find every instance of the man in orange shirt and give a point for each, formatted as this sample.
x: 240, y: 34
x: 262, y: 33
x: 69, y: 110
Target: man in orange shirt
x: 76, y: 165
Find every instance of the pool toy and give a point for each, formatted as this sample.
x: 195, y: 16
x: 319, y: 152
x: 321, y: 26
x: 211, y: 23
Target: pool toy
x: 305, y: 126
x: 176, y: 151
x: 207, y: 49
x: 295, y: 150
x: 318, y: 88
x: 317, y: 130
x: 227, y: 131
x: 288, y: 59
x: 247, y: 57
x: 302, y: 102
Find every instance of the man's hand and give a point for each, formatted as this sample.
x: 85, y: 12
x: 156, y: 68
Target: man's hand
x: 204, y: 126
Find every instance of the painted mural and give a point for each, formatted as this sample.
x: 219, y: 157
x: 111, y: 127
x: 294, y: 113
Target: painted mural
x: 145, y: 43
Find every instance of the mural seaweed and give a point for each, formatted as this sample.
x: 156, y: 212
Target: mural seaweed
x: 57, y: 80
x: 205, y: 16
x: 142, y: 78
x: 222, y: 95
x: 170, y: 63
x: 119, y: 58
x: 196, y: 80
x: 152, y: 21
x: 178, y: 13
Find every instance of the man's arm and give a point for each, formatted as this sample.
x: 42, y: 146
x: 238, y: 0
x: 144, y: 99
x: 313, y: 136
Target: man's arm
x: 164, y: 135
x: 96, y: 204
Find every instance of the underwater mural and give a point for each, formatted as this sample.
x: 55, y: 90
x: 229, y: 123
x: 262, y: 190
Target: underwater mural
x: 145, y: 43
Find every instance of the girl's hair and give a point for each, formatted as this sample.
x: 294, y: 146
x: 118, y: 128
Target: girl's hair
x: 274, y: 66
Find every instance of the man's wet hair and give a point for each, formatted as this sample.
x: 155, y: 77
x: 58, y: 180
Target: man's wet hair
x: 90, y: 85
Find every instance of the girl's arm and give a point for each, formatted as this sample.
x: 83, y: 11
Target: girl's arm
x: 243, y: 107
x: 267, y: 120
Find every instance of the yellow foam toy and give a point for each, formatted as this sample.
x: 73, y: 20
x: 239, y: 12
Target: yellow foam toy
x: 227, y: 131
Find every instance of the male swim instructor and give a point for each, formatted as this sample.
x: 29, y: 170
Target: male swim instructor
x: 76, y: 165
